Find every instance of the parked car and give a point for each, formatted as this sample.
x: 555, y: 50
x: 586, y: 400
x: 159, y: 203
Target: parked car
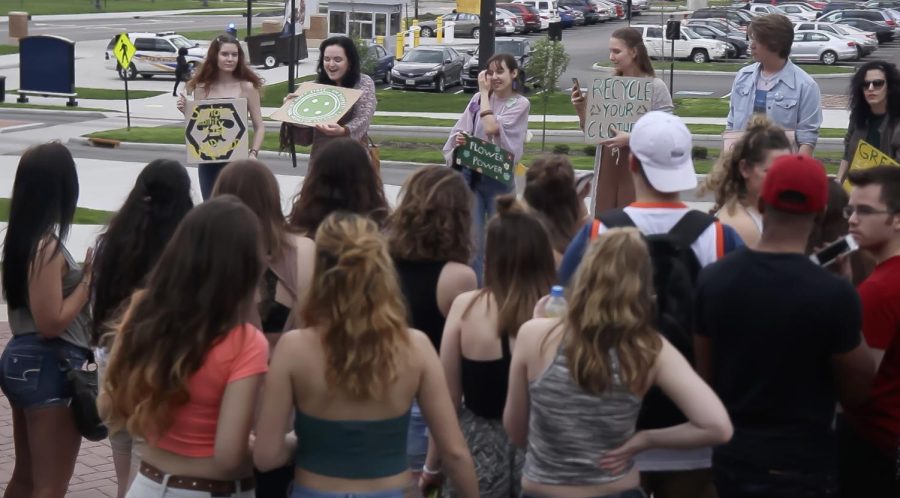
x: 583, y: 6
x: 520, y: 48
x: 605, y: 7
x: 839, y: 5
x: 762, y: 9
x: 547, y: 9
x: 691, y: 45
x: 529, y: 15
x: 567, y: 18
x: 799, y: 10
x: 883, y: 33
x: 870, y: 40
x: 432, y: 68
x: 738, y: 16
x: 812, y: 4
x: 812, y: 46
x: 381, y: 63
x: 464, y: 25
x: 864, y: 44
x: 720, y: 24
x: 882, y: 4
x: 876, y: 16
x: 737, y: 44
x: 155, y: 54
x: 508, y: 23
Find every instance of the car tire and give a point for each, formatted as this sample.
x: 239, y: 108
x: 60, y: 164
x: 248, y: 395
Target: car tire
x: 440, y: 85
x: 426, y: 32
x: 476, y: 33
x: 829, y: 57
x: 699, y: 56
x: 270, y: 61
x: 130, y: 73
x: 387, y: 75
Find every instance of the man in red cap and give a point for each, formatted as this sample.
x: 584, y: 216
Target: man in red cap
x: 778, y: 338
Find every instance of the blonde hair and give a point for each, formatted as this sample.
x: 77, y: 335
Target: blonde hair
x: 725, y: 180
x: 611, y: 307
x: 355, y: 300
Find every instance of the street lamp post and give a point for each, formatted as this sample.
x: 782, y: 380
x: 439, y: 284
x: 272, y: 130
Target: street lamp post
x: 486, y: 34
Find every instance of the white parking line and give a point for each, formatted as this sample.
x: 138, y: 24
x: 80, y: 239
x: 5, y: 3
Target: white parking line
x: 693, y: 92
x: 457, y: 92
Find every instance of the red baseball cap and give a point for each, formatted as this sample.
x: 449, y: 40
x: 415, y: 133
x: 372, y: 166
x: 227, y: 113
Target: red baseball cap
x: 801, y: 176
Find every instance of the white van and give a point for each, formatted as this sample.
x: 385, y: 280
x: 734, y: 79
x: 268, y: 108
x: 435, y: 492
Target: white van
x: 548, y: 9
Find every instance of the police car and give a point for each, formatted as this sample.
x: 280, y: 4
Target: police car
x: 155, y: 53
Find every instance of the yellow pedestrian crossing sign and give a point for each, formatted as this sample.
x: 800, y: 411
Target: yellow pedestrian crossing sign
x: 124, y: 50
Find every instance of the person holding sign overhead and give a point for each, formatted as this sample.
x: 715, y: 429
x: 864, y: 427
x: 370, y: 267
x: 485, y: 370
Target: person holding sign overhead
x: 775, y: 86
x: 225, y: 74
x: 498, y: 113
x: 628, y: 54
x: 874, y: 112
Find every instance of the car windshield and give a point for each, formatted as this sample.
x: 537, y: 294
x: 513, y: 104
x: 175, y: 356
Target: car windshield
x: 424, y: 56
x: 182, y: 42
x: 689, y: 33
x: 716, y: 31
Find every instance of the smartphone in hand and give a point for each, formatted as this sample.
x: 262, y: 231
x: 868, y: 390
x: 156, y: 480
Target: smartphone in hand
x: 575, y: 84
x: 830, y: 254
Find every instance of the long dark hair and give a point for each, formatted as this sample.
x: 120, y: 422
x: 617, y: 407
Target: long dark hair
x: 351, y: 78
x: 860, y: 112
x: 341, y: 179
x: 136, y: 236
x: 209, y: 70
x: 635, y: 41
x: 198, y: 292
x: 44, y: 197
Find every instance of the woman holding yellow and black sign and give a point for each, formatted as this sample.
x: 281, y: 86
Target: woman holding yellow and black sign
x: 874, y: 112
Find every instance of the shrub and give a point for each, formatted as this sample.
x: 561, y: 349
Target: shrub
x: 561, y: 149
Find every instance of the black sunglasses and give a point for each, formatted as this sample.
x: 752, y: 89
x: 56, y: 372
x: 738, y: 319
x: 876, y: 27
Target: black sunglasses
x: 876, y: 84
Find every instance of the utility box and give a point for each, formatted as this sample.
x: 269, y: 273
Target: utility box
x: 18, y: 26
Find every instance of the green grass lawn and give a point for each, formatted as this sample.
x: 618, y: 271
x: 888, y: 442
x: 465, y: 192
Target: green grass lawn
x: 209, y: 35
x: 83, y: 216
x: 38, y: 7
x: 9, y: 49
x: 426, y: 150
x: 110, y: 94
x: 733, y: 67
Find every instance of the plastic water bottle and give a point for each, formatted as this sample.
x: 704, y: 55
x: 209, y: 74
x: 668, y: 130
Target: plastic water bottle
x: 556, y: 305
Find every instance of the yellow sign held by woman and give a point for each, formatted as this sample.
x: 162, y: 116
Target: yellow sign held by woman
x: 868, y: 156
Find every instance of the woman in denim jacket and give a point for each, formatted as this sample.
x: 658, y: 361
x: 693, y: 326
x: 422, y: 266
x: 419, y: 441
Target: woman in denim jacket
x: 775, y: 86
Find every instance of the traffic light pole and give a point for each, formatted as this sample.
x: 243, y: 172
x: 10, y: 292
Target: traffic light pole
x: 486, y: 34
x: 292, y: 71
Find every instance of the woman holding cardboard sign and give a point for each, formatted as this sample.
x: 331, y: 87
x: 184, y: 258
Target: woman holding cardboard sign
x: 874, y: 111
x: 225, y: 75
x: 629, y: 57
x: 498, y: 113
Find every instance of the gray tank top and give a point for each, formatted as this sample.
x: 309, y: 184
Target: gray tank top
x: 78, y: 332
x: 570, y: 429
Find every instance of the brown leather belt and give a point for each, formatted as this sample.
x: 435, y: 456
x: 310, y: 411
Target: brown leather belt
x: 214, y: 487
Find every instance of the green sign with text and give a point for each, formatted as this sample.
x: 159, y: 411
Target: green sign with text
x: 486, y: 158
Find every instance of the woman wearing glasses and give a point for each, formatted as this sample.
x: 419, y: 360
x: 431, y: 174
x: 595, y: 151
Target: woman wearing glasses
x: 874, y: 112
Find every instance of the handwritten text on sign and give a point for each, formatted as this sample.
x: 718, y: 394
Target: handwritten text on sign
x: 486, y: 158
x: 866, y: 157
x: 615, y: 103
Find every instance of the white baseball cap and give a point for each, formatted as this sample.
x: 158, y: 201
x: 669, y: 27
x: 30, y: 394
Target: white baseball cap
x: 663, y: 145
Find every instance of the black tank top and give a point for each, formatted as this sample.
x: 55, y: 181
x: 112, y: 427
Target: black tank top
x: 418, y: 281
x: 484, y: 383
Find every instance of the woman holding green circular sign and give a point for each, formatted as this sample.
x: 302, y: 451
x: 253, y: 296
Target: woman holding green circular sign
x: 497, y: 114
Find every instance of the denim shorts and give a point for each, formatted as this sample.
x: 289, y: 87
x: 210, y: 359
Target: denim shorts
x: 298, y: 491
x: 32, y: 375
x: 416, y: 439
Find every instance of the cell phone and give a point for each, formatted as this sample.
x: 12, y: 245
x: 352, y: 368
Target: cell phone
x: 575, y: 83
x: 844, y: 245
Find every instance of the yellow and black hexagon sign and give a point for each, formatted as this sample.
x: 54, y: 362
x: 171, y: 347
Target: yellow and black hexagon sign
x: 216, y: 131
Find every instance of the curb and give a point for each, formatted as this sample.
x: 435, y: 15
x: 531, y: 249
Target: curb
x: 687, y: 72
x: 86, y: 114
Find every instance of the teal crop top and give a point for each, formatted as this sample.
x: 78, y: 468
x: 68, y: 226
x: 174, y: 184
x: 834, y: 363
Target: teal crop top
x: 352, y: 449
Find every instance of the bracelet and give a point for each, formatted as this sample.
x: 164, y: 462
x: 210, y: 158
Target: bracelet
x: 426, y: 470
x: 486, y: 113
x: 255, y: 152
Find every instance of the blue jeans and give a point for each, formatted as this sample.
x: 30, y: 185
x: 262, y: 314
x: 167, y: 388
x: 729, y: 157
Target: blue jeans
x: 304, y: 492
x: 416, y: 439
x: 734, y: 480
x: 485, y: 191
x: 208, y: 174
x: 32, y: 375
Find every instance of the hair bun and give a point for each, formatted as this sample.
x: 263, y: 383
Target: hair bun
x: 508, y: 204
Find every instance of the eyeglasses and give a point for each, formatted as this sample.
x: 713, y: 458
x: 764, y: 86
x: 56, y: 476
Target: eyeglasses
x: 862, y: 210
x: 873, y: 84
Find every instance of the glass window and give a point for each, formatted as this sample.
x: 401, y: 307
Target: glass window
x: 380, y: 51
x: 805, y: 27
x: 361, y: 16
x: 164, y: 46
x: 181, y: 42
x: 424, y: 56
x: 337, y: 22
x: 798, y: 37
x: 380, y: 24
x: 818, y: 37
x: 654, y: 33
x: 145, y: 44
x: 395, y: 23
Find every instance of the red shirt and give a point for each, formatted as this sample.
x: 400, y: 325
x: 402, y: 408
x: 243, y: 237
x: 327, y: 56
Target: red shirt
x: 878, y: 419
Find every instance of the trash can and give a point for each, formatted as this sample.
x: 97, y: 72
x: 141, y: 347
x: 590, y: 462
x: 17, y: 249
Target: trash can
x: 18, y: 25
x: 554, y: 32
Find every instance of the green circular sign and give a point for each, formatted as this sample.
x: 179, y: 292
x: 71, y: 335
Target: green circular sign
x: 316, y: 106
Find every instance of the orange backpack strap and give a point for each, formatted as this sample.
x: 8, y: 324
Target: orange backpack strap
x: 595, y: 228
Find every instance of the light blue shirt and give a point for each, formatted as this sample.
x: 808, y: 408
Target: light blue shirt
x: 793, y: 102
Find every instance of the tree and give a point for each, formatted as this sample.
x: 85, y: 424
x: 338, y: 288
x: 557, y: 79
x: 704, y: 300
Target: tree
x: 366, y: 57
x: 547, y: 63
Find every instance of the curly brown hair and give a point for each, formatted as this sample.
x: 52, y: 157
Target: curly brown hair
x: 433, y: 221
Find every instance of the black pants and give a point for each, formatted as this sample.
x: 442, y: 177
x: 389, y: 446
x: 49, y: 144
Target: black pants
x: 275, y: 483
x: 736, y: 480
x: 864, y: 470
x: 178, y: 79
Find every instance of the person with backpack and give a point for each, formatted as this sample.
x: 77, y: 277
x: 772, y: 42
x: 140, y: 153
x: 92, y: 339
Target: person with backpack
x: 681, y: 241
x: 778, y: 338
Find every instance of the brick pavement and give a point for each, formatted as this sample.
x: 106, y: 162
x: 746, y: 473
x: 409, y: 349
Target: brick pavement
x: 94, y: 475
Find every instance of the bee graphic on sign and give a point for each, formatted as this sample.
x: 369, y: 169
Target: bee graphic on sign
x: 216, y: 131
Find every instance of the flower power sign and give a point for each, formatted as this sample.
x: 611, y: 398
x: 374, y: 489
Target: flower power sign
x: 486, y: 158
x: 615, y: 103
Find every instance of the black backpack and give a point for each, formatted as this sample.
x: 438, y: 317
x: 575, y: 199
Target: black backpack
x: 675, y: 270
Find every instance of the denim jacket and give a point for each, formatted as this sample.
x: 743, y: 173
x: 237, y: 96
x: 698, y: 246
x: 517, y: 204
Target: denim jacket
x: 794, y: 102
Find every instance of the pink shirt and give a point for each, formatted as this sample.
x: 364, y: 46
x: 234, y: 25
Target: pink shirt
x: 242, y: 353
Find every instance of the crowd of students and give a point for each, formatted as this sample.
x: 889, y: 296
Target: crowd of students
x: 349, y: 348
